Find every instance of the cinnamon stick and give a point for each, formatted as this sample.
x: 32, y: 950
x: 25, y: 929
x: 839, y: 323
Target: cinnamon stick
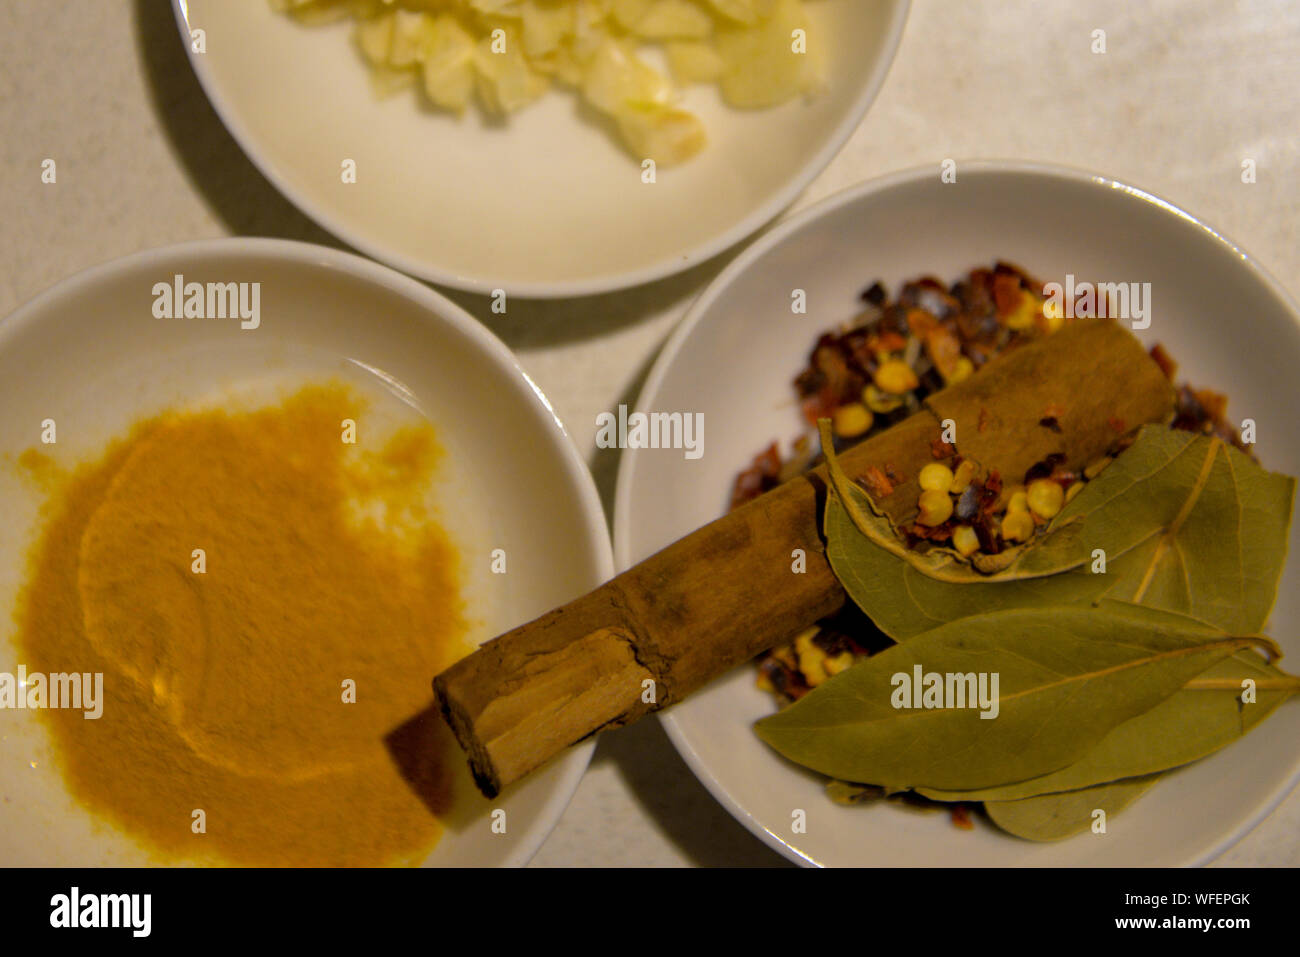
x: 726, y: 592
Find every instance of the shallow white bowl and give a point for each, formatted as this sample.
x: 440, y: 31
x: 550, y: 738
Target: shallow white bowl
x: 90, y: 354
x: 1228, y: 324
x: 543, y: 205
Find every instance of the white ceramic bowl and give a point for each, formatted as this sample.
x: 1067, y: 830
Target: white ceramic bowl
x: 543, y: 205
x: 735, y: 355
x: 90, y: 354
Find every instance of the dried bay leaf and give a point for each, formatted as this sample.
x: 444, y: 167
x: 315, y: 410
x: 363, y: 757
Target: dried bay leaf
x: 876, y: 528
x: 1187, y: 524
x: 1203, y: 717
x: 903, y: 601
x: 844, y: 792
x: 1215, y: 527
x: 1053, y: 817
x: 1066, y: 677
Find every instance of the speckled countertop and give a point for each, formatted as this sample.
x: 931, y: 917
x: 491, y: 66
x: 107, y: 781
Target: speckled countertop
x: 1186, y: 91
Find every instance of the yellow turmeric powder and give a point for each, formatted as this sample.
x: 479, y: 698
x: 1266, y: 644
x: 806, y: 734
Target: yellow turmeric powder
x: 267, y: 605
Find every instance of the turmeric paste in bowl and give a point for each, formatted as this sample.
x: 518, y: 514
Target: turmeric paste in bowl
x: 266, y: 604
x: 250, y: 546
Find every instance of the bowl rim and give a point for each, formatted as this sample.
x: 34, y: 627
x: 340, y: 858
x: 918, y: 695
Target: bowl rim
x: 435, y: 308
x: 282, y: 180
x: 703, y: 305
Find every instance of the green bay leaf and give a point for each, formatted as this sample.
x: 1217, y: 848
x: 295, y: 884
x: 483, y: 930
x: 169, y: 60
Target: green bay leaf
x: 1066, y: 677
x: 1185, y: 523
x: 1053, y: 817
x: 1203, y: 717
x: 904, y: 601
x: 869, y: 523
x: 1220, y: 559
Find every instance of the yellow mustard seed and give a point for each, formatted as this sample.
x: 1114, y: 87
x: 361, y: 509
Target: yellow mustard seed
x: 841, y: 662
x: 1045, y: 498
x: 965, y: 540
x: 936, y: 477
x: 896, y: 377
x: 962, y: 478
x: 852, y: 420
x: 961, y: 370
x: 878, y: 401
x: 935, y: 508
x: 1017, y: 526
x: 811, y: 658
x: 1026, y: 312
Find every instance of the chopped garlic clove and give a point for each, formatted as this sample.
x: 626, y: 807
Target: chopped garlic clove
x: 694, y: 62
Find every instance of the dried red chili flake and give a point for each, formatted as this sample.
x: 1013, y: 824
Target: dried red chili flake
x: 891, y: 341
x: 976, y: 299
x: 1200, y: 410
x: 784, y: 679
x: 1167, y: 365
x: 990, y: 491
x: 982, y: 278
x: 875, y: 294
x: 819, y: 406
x: 1044, y: 468
x: 809, y: 382
x: 894, y: 319
x: 921, y: 322
x: 1006, y: 293
x: 877, y: 482
x: 760, y: 477
x: 830, y: 362
x: 935, y: 533
x: 941, y: 449
x: 860, y: 346
x: 1005, y: 266
x: 990, y: 541
x: 943, y: 349
x: 1116, y: 423
x: 981, y: 335
x: 1215, y: 404
x: 961, y: 817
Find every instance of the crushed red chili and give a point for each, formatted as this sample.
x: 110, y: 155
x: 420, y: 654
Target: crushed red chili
x: 943, y: 333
